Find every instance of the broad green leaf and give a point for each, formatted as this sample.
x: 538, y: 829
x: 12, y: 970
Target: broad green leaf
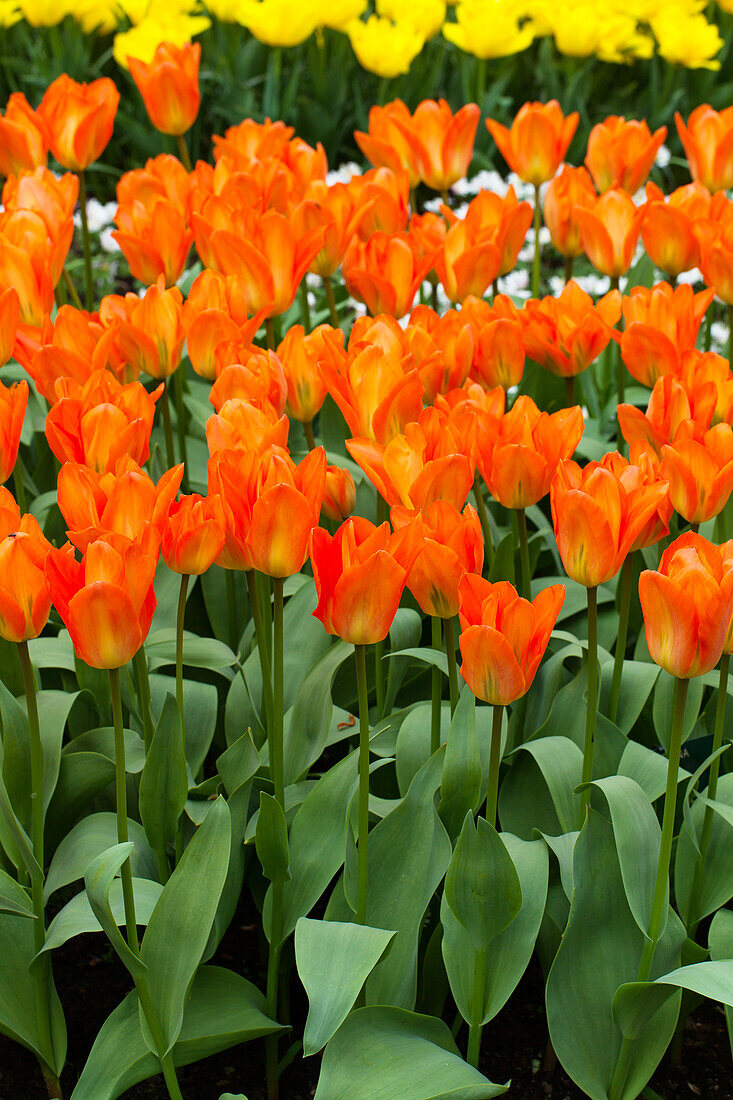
x: 11, y: 901
x: 539, y: 791
x: 322, y: 950
x: 425, y: 654
x: 14, y: 838
x: 639, y: 678
x: 98, y: 881
x: 600, y: 950
x: 562, y: 848
x: 510, y: 952
x: 223, y: 1010
x: 77, y: 916
x: 481, y: 883
x: 271, y: 839
x: 198, y: 652
x: 102, y: 741
x: 460, y: 785
x: 635, y: 1002
x: 383, y: 1053
x: 662, y: 708
x: 82, y: 776
x: 179, y: 926
x: 647, y: 768
x: 308, y: 723
x: 93, y: 835
x: 404, y: 633
x: 200, y: 705
x: 164, y: 780
x: 716, y: 882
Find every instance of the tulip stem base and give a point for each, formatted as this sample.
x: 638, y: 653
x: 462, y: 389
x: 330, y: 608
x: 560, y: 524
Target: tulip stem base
x: 165, y: 411
x: 180, y: 616
x: 591, y: 699
x: 305, y: 311
x: 184, y: 153
x: 477, y: 1009
x: 568, y: 269
x: 450, y: 652
x: 492, y: 793
x: 71, y: 289
x: 661, y: 884
x: 526, y: 572
x: 363, y: 847
x: 86, y: 243
x: 309, y: 436
x: 537, y: 250
x: 570, y: 391
x: 143, y: 694
x: 712, y: 791
x: 331, y: 299
x: 264, y: 649
x: 483, y: 516
x: 627, y: 577
x: 121, y: 801
x: 436, y: 687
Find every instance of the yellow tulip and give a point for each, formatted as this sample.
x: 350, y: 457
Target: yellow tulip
x: 692, y: 41
x: 279, y: 22
x: 426, y: 16
x: 383, y: 47
x: 142, y: 41
x: 10, y: 13
x: 45, y: 13
x: 488, y: 30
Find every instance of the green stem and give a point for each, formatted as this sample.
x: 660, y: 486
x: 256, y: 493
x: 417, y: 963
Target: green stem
x: 273, y: 974
x: 591, y: 699
x: 182, y: 593
x: 492, y: 794
x: 262, y: 646
x: 707, y: 822
x: 570, y: 391
x: 166, y: 1060
x: 331, y: 299
x: 436, y: 686
x: 232, y: 618
x: 309, y: 437
x: 477, y: 1009
x: 19, y: 486
x: 277, y: 772
x: 537, y: 250
x: 143, y: 694
x: 730, y: 334
x: 380, y: 670
x: 73, y: 293
x: 524, y: 554
x: 86, y: 242
x: 662, y: 880
x: 568, y: 269
x: 305, y: 312
x: 450, y: 652
x: 42, y: 972
x: 270, y: 332
x: 184, y: 153
x: 121, y: 792
x: 627, y: 576
x: 178, y: 388
x: 167, y: 427
x: 483, y: 516
x: 363, y: 848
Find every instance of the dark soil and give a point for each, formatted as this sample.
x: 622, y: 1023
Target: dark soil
x: 91, y: 982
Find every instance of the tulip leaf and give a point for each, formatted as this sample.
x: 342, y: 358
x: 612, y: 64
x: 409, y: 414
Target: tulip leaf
x: 425, y: 654
x: 200, y: 705
x: 223, y: 1010
x: 102, y: 740
x: 647, y: 768
x: 179, y: 927
x: 11, y: 901
x: 539, y: 791
x: 100, y: 875
x: 381, y: 1053
x: 663, y: 704
x: 322, y: 949
x: 600, y: 950
x: 404, y: 633
x: 271, y: 839
x: 93, y: 835
x: 164, y: 780
x: 481, y: 883
x: 18, y: 1012
x: 307, y: 724
x: 635, y: 1002
x: 638, y: 680
x: 198, y: 652
x: 509, y: 953
x: 716, y: 880
x: 77, y: 916
x: 460, y: 785
x: 82, y: 776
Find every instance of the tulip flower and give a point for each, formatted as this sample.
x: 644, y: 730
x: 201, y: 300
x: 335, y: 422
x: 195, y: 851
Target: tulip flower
x: 24, y: 137
x: 385, y: 272
x: 169, y: 85
x: 80, y: 119
x: 240, y: 424
x: 442, y: 348
x: 706, y: 373
x: 32, y: 262
x: 468, y: 262
x: 300, y: 355
x: 13, y: 403
x: 339, y: 494
x: 52, y: 197
x: 503, y: 639
x: 715, y: 237
x: 708, y: 143
x: 698, y: 465
x: 537, y: 141
x: 571, y: 188
x: 285, y: 508
x: 193, y: 534
x: 25, y: 601
x: 671, y: 402
x: 163, y: 177
x: 609, y: 231
x: 214, y: 316
x: 71, y: 348
x: 383, y: 47
x: 440, y: 142
x: 668, y: 228
x: 380, y: 199
x: 621, y: 153
x: 499, y: 353
x: 9, y: 321
x: 332, y: 209
x: 260, y: 380
x: 386, y: 144
x: 99, y: 422
x: 153, y: 337
x: 154, y: 239
x: 661, y: 324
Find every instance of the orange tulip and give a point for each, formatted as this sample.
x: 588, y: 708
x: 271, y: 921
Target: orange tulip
x: 331, y: 209
x: 300, y: 355
x: 642, y: 471
x: 24, y: 137
x: 706, y: 373
x: 163, y: 177
x: 124, y: 501
x: 51, y: 197
x: 339, y: 494
x: 442, y: 348
x: 503, y: 637
x: 428, y: 233
x: 13, y: 403
x: 240, y: 424
x: 667, y: 230
x: 621, y: 153
x: 571, y: 188
x: 424, y: 464
x: 499, y: 352
x: 285, y: 508
x: 9, y: 321
x: 661, y: 324
x: 522, y: 451
x: 260, y: 379
x: 698, y: 464
x: 448, y: 543
x: 609, y: 231
x: 537, y: 141
x: 566, y: 334
x: 708, y: 143
x: 386, y: 144
x: 267, y: 258
x: 215, y: 314
x: 80, y: 119
x: 375, y: 392
x: 385, y: 272
x: 670, y: 403
x: 598, y: 519
x: 687, y: 605
x: 441, y: 142
x: 358, y: 581
x: 106, y: 600
x: 72, y: 346
x: 169, y: 85
x: 154, y: 239
x: 715, y: 237
x: 380, y: 199
x: 25, y: 601
x: 193, y: 533
x: 32, y: 262
x: 101, y: 421
x: 152, y: 339
x: 468, y: 262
